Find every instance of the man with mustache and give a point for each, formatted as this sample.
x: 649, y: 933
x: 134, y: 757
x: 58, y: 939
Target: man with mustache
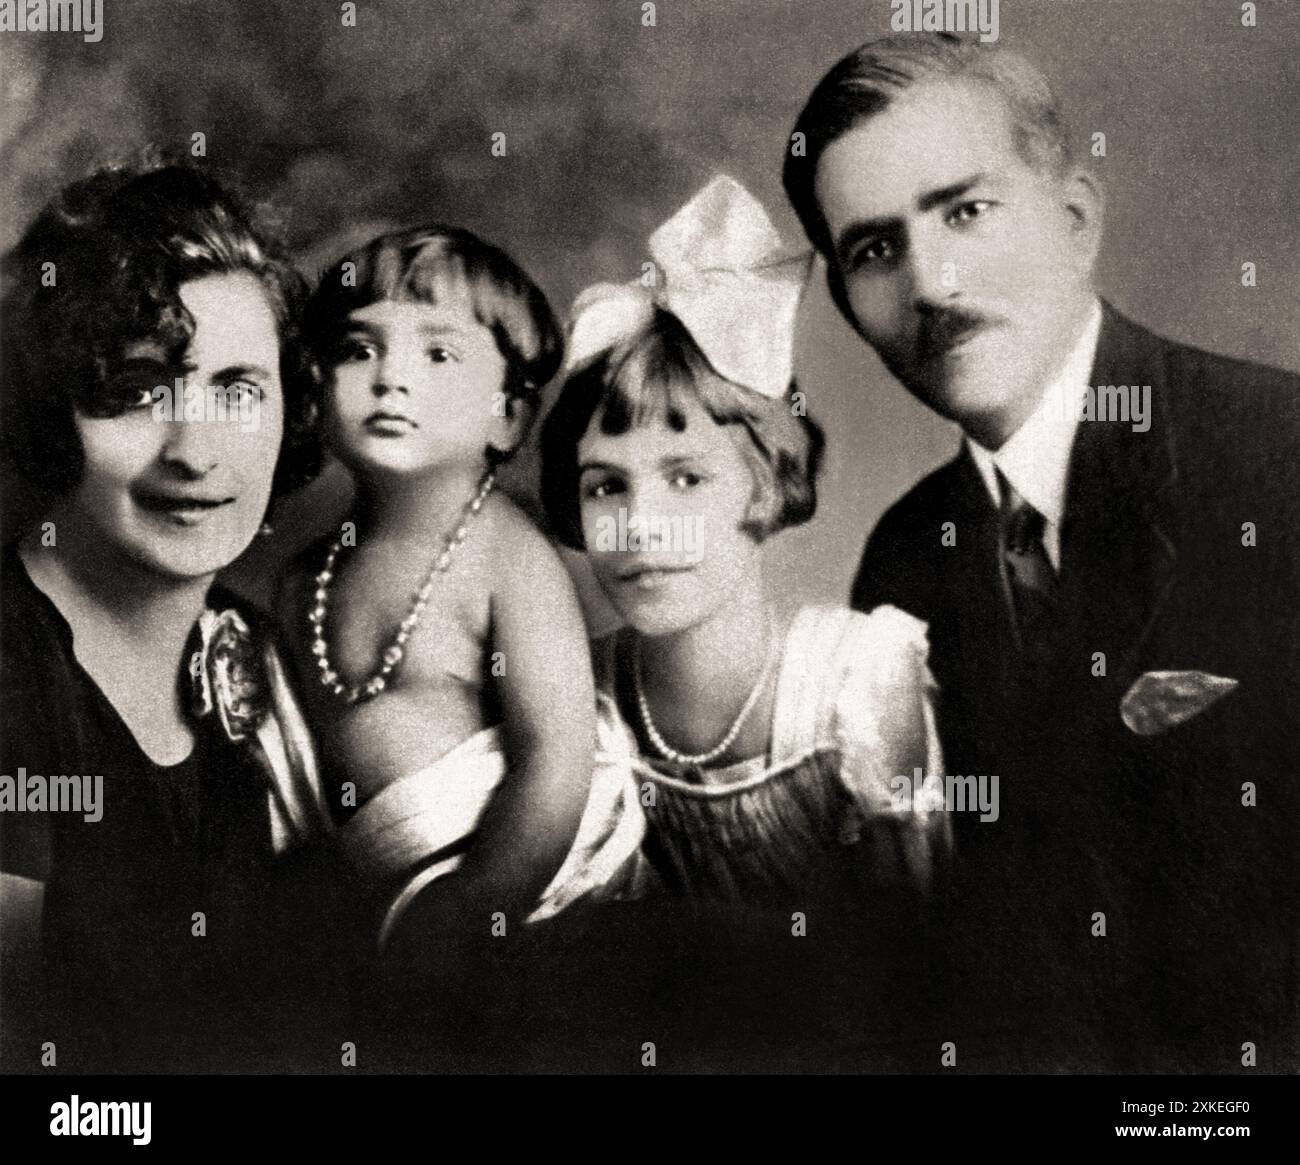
x: 1112, y: 606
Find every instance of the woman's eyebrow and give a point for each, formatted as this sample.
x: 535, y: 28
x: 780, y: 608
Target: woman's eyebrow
x: 152, y: 363
x: 149, y: 351
x: 242, y: 372
x: 607, y: 466
x: 146, y: 362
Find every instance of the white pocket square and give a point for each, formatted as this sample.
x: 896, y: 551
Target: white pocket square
x: 1160, y: 700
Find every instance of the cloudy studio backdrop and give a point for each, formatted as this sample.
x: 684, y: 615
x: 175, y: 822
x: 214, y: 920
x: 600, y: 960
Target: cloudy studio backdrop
x: 610, y: 124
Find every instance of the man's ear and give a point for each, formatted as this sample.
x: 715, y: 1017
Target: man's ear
x: 1085, y: 205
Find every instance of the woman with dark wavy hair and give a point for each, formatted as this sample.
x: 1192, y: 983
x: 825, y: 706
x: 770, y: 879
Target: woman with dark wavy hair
x: 154, y: 389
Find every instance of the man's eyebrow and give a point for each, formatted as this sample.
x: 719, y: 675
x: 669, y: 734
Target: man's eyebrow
x: 947, y: 193
x: 867, y: 228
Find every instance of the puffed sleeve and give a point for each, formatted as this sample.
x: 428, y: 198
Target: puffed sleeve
x: 884, y: 727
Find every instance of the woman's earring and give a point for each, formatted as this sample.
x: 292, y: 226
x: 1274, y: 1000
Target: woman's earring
x: 266, y: 530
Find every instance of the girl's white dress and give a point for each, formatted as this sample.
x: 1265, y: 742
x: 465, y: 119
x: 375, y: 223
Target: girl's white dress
x: 851, y: 791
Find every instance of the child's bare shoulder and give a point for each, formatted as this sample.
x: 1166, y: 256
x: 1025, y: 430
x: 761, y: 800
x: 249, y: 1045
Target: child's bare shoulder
x: 510, y: 529
x: 520, y: 552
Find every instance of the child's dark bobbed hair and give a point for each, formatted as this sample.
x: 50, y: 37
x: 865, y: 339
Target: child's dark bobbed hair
x: 422, y: 265
x: 648, y: 378
x: 99, y: 269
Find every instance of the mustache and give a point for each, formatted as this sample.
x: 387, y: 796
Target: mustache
x: 944, y: 329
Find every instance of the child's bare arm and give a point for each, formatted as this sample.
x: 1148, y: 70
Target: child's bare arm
x: 548, y: 723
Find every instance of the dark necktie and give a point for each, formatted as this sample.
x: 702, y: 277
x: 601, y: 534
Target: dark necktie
x: 1031, y: 582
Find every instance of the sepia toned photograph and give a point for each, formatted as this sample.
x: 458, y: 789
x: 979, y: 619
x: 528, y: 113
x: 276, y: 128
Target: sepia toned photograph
x: 705, y: 537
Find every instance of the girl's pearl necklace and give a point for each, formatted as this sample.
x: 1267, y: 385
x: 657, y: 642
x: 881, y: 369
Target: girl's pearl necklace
x: 666, y: 750
x: 392, y: 655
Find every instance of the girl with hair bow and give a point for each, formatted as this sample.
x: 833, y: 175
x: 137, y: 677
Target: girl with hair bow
x: 768, y: 747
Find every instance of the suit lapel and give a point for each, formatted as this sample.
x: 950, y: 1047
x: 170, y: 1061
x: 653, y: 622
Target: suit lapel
x: 1119, y: 536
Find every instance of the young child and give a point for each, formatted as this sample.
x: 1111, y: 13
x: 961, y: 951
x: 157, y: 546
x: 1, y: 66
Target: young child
x: 438, y: 646
x: 769, y: 748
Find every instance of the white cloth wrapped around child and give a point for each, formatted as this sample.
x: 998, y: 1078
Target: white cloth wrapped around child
x: 408, y: 824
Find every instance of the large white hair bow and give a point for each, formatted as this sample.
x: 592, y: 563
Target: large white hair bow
x: 720, y: 268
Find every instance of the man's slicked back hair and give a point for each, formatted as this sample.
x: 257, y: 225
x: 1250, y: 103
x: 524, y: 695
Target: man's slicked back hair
x: 865, y: 82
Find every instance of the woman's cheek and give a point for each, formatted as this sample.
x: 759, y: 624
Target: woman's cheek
x: 252, y: 441
x: 118, y: 449
x: 273, y: 425
x: 270, y: 441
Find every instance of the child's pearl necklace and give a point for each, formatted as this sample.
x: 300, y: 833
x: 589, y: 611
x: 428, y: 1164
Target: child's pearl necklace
x: 666, y: 750
x: 394, y: 652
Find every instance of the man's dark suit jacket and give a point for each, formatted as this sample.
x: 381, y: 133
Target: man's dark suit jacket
x: 1159, y: 572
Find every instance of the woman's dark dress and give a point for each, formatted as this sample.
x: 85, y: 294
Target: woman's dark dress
x: 127, y: 981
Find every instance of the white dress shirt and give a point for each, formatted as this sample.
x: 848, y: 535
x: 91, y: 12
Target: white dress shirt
x: 1035, y: 459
